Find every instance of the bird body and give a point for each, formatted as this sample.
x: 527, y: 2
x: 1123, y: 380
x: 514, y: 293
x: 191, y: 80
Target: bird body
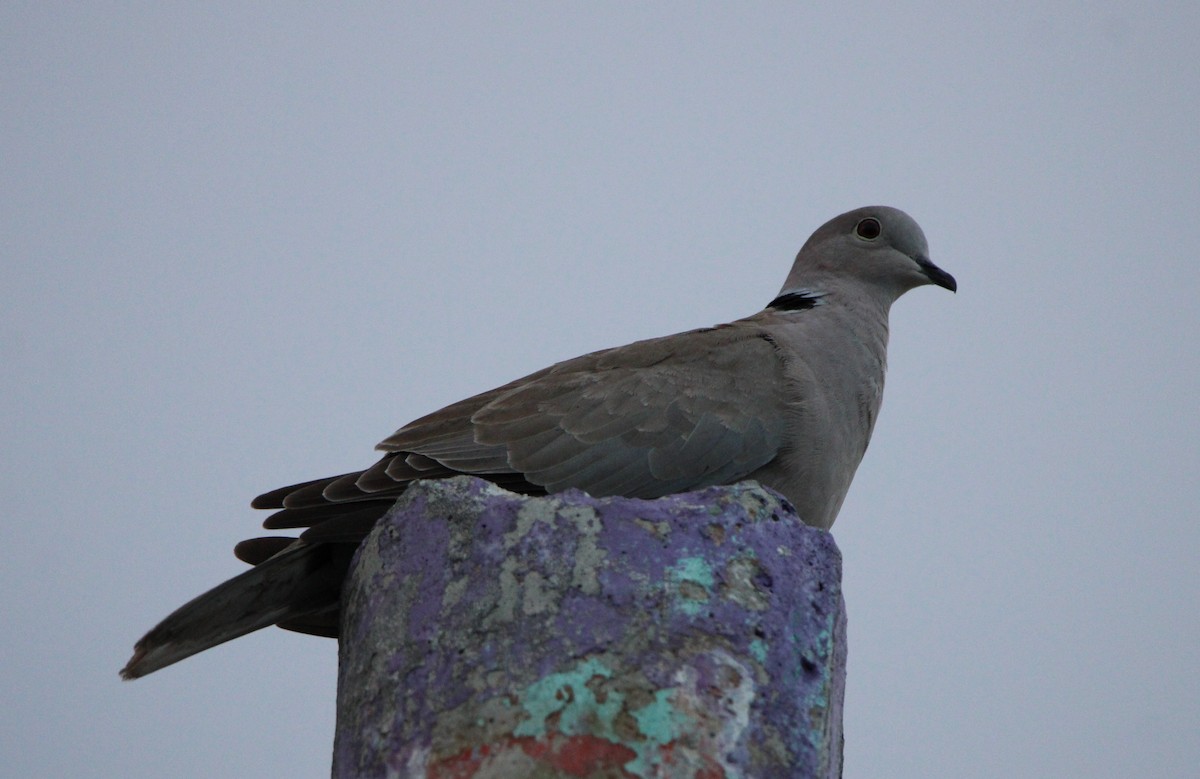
x: 788, y: 396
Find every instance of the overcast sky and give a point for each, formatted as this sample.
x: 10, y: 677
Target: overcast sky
x: 243, y: 243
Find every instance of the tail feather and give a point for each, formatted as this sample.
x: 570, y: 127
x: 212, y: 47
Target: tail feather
x: 300, y: 581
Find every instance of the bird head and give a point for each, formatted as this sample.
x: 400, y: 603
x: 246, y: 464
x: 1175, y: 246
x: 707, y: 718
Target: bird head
x: 879, y: 247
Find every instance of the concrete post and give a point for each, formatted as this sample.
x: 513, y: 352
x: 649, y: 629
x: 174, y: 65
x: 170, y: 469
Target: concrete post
x: 487, y: 634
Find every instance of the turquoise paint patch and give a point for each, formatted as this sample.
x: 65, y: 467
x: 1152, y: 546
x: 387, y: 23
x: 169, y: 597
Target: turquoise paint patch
x: 661, y: 723
x: 695, y: 571
x: 658, y: 721
x: 820, y: 655
x: 579, y: 711
x: 758, y: 648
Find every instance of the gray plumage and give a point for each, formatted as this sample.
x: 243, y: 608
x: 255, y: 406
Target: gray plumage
x: 787, y: 396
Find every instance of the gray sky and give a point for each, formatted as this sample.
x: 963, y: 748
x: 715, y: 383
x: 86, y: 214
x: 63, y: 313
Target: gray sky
x: 242, y: 245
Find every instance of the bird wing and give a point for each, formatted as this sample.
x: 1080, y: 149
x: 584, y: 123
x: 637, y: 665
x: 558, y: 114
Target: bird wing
x: 648, y: 419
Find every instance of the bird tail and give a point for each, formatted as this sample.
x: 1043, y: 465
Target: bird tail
x: 300, y: 581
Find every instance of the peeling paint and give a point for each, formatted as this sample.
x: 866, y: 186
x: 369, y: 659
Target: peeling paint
x: 588, y: 555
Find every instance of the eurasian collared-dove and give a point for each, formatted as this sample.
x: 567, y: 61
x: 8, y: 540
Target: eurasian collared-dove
x: 787, y: 396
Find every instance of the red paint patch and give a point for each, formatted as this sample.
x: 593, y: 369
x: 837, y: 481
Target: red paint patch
x: 580, y: 756
x: 710, y: 770
x: 460, y: 766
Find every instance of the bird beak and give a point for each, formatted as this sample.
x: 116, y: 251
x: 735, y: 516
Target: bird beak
x: 936, y: 275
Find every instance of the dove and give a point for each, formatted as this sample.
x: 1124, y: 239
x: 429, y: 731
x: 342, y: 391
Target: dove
x: 787, y: 396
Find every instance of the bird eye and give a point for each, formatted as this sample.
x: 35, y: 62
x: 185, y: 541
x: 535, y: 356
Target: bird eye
x: 868, y: 229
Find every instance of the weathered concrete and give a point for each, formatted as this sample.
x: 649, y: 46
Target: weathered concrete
x: 492, y: 635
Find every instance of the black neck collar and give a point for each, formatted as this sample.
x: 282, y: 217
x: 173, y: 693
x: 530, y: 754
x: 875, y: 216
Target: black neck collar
x: 799, y: 300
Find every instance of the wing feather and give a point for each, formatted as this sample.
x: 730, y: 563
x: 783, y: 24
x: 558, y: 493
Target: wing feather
x: 644, y: 420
